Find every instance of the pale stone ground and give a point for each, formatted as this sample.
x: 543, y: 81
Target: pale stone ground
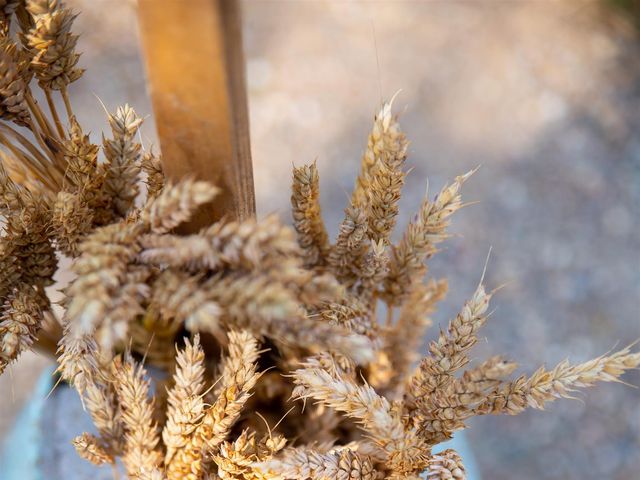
x: 543, y: 94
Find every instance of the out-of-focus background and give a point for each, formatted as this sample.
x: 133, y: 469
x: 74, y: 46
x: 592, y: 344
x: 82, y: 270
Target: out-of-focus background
x: 544, y: 95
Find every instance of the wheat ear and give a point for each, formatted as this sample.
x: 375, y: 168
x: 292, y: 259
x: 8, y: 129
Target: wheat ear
x: 141, y: 436
x: 185, y: 407
x: 307, y: 219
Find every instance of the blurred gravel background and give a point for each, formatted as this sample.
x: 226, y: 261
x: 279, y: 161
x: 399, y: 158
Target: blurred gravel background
x: 544, y: 95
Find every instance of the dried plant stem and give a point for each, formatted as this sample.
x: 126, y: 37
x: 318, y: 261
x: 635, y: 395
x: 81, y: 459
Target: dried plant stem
x: 23, y: 157
x: 54, y: 113
x: 49, y: 336
x: 403, y: 340
x: 37, y: 154
x: 36, y: 112
x: 38, y: 136
x: 32, y: 164
x: 67, y: 102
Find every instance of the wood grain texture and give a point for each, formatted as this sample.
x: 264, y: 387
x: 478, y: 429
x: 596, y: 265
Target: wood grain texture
x: 195, y: 71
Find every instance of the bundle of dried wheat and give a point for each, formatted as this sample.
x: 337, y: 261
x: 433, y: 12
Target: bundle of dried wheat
x: 262, y: 315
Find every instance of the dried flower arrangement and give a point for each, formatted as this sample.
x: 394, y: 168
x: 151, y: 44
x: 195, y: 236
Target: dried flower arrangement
x: 260, y: 314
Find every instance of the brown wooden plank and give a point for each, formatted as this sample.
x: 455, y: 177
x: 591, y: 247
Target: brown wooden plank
x: 195, y: 71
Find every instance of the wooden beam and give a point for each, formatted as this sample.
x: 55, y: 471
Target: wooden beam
x: 195, y: 72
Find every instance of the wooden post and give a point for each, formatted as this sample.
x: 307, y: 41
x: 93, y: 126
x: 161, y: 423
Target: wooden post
x: 195, y: 71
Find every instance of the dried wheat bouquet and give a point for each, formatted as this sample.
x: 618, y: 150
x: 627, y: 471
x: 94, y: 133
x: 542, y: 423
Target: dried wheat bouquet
x: 268, y: 357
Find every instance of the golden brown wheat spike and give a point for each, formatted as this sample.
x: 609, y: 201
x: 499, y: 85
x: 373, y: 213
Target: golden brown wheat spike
x: 307, y: 219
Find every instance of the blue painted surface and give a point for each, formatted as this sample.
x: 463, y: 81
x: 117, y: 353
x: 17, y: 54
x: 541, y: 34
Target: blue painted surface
x: 21, y: 452
x: 19, y: 457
